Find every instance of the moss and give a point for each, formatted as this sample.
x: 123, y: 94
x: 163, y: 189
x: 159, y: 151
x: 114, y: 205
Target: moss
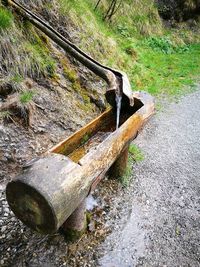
x: 68, y: 71
x: 85, y: 138
x: 73, y: 235
x: 70, y: 74
x: 82, y: 92
x: 82, y: 106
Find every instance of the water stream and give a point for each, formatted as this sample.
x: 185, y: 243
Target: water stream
x: 118, y: 100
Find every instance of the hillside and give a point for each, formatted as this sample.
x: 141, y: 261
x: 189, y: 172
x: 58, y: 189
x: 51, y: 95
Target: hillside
x: 45, y: 94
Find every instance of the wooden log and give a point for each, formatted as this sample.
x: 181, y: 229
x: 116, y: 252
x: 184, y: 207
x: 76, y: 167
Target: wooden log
x: 38, y: 196
x: 118, y: 169
x: 76, y: 224
x: 50, y: 190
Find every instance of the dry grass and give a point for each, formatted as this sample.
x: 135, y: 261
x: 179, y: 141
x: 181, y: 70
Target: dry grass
x: 141, y: 16
x: 26, y: 57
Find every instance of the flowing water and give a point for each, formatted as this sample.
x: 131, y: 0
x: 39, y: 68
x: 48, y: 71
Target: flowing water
x: 118, y: 100
x: 91, y: 203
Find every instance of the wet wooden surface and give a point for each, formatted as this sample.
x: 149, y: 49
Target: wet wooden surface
x: 101, y: 123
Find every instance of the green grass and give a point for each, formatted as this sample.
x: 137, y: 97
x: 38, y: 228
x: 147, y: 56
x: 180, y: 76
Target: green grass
x: 26, y: 97
x: 169, y: 74
x: 136, y: 153
x: 17, y: 78
x: 156, y: 60
x: 165, y: 45
x: 126, y: 178
x: 6, y: 18
x: 5, y: 114
x: 40, y: 58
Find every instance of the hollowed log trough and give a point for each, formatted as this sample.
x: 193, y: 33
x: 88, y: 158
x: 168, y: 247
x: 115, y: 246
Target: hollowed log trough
x: 51, y: 190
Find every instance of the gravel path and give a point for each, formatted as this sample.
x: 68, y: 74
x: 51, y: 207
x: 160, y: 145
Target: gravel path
x: 160, y: 223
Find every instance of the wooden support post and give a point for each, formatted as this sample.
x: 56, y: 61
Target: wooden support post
x: 76, y: 225
x: 119, y: 167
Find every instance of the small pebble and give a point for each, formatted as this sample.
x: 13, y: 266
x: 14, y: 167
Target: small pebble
x: 3, y: 229
x: 7, y: 210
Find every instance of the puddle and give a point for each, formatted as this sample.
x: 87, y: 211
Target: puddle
x: 127, y: 246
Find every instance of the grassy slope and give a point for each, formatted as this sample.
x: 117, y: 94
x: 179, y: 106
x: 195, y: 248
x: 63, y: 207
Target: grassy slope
x: 22, y: 52
x: 27, y: 53
x: 162, y: 64
x: 165, y: 63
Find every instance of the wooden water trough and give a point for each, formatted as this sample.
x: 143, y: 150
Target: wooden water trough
x: 51, y: 190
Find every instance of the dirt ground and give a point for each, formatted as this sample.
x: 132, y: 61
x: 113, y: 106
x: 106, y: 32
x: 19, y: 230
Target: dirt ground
x: 153, y: 222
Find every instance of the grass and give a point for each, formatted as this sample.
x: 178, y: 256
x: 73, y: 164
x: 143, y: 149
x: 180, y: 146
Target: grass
x: 26, y: 97
x: 5, y: 114
x: 23, y: 53
x: 136, y: 153
x: 40, y: 59
x: 6, y: 18
x: 169, y: 74
x: 17, y: 78
x: 165, y: 45
x: 126, y: 178
x: 156, y: 60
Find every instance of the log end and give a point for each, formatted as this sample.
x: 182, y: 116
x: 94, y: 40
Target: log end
x: 31, y: 207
